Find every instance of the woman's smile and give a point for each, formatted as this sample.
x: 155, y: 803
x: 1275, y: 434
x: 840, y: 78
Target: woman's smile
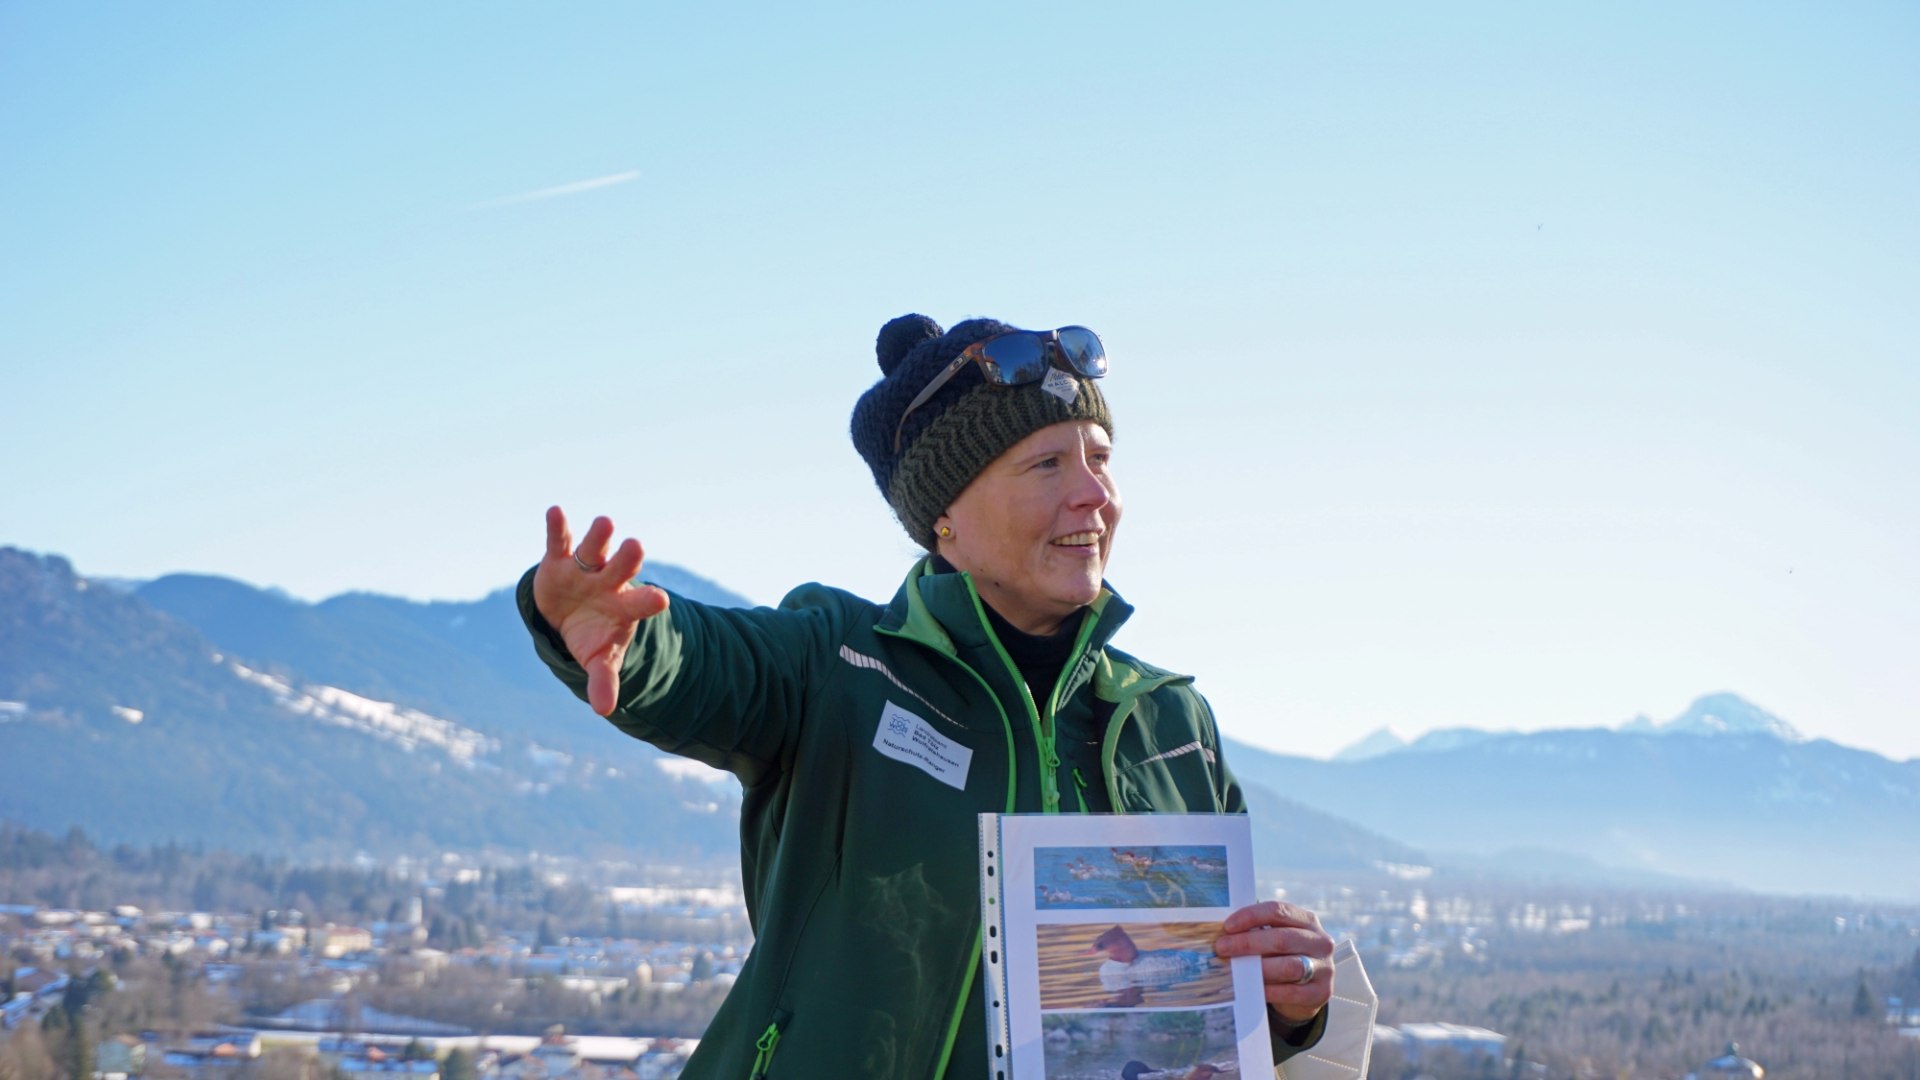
x: 1035, y: 527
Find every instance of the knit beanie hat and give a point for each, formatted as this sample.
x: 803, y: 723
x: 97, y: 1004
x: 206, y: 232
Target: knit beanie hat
x: 961, y: 429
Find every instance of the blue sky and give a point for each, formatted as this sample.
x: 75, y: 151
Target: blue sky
x: 1497, y: 365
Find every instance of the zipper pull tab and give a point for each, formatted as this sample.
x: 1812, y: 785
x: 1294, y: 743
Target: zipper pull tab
x: 768, y: 1039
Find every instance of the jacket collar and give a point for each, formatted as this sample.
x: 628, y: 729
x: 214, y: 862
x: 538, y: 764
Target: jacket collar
x: 945, y: 613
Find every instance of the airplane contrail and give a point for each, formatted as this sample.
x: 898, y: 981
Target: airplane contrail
x: 574, y: 188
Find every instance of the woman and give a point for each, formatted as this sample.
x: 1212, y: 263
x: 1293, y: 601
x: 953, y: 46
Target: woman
x: 993, y: 446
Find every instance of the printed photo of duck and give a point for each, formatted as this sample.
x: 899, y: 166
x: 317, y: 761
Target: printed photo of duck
x: 1171, y: 876
x: 1180, y: 1045
x: 1080, y: 869
x: 1126, y: 965
x: 1045, y: 895
x: 1138, y: 965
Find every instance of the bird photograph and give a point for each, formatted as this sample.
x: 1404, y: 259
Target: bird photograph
x: 1172, y: 1045
x: 1081, y: 878
x: 1109, y: 965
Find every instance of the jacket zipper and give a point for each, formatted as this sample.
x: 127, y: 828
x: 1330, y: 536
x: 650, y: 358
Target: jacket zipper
x: 1043, y: 733
x: 769, y: 1039
x: 1053, y: 708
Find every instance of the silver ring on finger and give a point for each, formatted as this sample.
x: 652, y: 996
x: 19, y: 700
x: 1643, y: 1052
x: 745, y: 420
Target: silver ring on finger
x: 582, y: 563
x: 1309, y: 967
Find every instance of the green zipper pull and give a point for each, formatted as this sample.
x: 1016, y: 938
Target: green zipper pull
x: 1080, y: 789
x: 769, y: 1039
x: 1049, y: 776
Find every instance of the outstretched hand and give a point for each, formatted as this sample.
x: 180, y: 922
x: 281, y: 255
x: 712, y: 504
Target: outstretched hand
x: 587, y: 595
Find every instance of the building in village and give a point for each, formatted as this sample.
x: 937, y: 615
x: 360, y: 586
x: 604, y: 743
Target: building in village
x: 1731, y: 1066
x: 211, y: 1053
x: 334, y: 942
x: 1421, y: 1040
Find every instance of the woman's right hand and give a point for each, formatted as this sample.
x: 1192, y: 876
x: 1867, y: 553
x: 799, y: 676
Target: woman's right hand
x: 588, y: 597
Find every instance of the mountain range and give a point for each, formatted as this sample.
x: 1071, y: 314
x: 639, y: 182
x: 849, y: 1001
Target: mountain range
x: 361, y: 724
x: 1712, y: 714
x: 199, y: 708
x: 1724, y: 792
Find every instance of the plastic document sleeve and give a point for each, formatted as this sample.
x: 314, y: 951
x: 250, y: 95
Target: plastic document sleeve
x: 1097, y: 946
x: 1097, y: 936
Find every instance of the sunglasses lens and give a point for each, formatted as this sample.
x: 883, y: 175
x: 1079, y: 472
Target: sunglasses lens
x: 1015, y: 358
x: 1083, y: 352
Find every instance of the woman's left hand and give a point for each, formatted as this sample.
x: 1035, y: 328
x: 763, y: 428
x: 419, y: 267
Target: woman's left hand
x: 1294, y: 953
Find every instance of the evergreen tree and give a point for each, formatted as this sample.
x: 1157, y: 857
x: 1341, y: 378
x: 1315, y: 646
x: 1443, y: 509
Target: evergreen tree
x: 80, y: 1051
x: 1908, y: 978
x: 1863, y: 1006
x: 65, y: 1036
x: 457, y: 1066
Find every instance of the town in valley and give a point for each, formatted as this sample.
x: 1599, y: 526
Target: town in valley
x: 180, y: 965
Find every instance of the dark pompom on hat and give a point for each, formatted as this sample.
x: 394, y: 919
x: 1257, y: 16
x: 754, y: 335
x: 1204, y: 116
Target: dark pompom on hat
x: 957, y: 432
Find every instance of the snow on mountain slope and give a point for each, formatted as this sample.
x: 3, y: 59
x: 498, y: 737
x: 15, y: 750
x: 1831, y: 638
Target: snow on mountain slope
x: 410, y: 729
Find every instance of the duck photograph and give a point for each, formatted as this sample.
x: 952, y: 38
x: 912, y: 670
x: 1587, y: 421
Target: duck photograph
x: 1085, y: 878
x: 1180, y: 1044
x: 1150, y: 965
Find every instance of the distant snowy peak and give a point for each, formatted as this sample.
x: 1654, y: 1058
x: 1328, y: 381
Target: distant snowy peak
x: 1713, y: 714
x: 1719, y: 714
x: 1444, y: 739
x: 1387, y: 741
x: 1381, y: 741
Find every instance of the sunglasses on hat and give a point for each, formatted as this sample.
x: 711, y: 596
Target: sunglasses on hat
x: 1016, y: 358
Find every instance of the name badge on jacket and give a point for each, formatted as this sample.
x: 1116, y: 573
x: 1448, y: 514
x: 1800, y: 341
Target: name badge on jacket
x: 905, y: 737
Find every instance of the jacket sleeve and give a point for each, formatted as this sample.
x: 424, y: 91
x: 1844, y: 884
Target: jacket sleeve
x: 723, y: 686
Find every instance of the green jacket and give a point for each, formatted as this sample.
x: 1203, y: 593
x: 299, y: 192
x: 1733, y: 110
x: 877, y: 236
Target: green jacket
x: 867, y: 739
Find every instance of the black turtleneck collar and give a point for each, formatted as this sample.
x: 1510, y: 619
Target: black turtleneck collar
x: 1038, y: 656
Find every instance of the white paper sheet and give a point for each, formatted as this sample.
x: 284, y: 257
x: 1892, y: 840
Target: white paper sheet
x: 1098, y: 946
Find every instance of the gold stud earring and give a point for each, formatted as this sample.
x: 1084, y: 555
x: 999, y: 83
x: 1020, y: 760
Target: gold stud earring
x: 946, y: 531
